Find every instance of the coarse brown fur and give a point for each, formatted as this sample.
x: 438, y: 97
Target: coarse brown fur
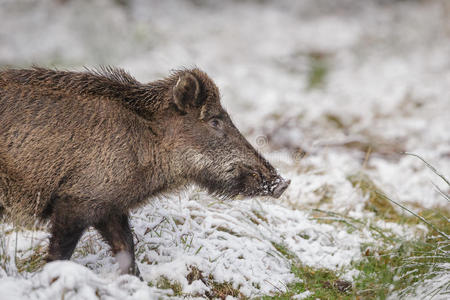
x: 84, y: 148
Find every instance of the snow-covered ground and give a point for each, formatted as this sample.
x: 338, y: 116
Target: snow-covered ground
x: 351, y: 83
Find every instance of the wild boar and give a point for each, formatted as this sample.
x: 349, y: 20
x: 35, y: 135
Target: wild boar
x: 82, y: 149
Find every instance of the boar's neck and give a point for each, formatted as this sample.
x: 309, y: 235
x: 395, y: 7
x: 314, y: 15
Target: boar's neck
x: 161, y: 173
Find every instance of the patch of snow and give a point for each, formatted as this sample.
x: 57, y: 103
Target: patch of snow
x: 303, y: 295
x: 73, y: 281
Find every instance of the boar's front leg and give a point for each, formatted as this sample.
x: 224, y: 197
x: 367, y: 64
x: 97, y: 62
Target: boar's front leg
x: 117, y: 233
x: 66, y: 232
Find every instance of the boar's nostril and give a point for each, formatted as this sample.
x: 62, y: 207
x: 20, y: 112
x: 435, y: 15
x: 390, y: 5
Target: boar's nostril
x: 281, y: 188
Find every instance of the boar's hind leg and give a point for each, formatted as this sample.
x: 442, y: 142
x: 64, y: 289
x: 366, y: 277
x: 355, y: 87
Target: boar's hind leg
x: 117, y: 233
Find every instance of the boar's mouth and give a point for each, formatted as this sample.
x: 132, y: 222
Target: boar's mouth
x: 273, y: 188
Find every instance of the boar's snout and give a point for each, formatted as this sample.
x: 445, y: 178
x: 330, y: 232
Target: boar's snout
x: 263, y: 184
x: 280, y: 187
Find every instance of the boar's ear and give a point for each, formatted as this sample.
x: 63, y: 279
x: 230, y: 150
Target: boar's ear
x: 186, y: 91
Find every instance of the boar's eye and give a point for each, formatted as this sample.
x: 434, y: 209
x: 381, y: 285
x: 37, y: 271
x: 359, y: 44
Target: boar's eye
x: 216, y: 123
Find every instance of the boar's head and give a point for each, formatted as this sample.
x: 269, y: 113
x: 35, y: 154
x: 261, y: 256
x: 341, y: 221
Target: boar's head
x: 206, y: 148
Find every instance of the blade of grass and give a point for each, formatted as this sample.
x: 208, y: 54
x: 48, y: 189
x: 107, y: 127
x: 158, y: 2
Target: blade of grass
x: 446, y: 197
x: 429, y: 166
x: 414, y: 214
x: 371, y: 227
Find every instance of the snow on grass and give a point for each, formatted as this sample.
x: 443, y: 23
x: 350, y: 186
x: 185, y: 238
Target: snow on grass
x: 330, y: 93
x: 434, y: 288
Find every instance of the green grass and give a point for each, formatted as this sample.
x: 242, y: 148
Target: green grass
x: 411, y: 262
x: 322, y: 283
x: 400, y: 269
x: 393, y: 264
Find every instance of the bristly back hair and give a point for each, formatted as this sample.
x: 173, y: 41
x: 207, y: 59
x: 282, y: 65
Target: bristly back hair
x: 113, y: 73
x: 105, y: 81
